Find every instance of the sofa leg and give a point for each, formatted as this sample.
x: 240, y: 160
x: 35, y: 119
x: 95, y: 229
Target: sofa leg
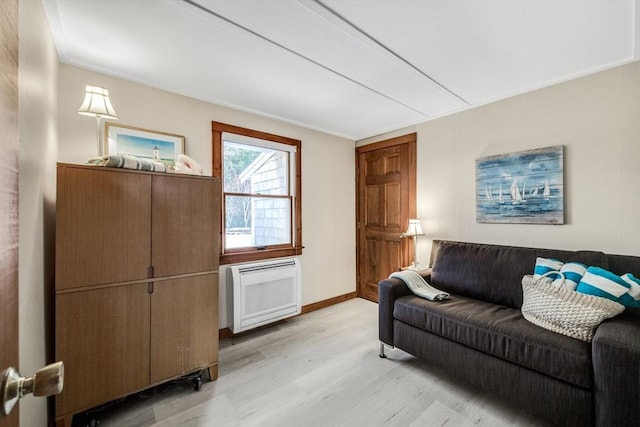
x: 382, y: 355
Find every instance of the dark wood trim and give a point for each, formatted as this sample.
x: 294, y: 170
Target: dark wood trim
x: 224, y: 127
x: 234, y: 258
x: 227, y: 333
x: 411, y: 137
x: 217, y: 129
x: 327, y: 302
x: 216, y: 153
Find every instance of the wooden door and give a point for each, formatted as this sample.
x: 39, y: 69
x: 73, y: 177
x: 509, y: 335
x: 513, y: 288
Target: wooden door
x: 184, y: 326
x: 9, y: 193
x: 105, y: 218
x: 385, y: 201
x: 103, y: 337
x: 185, y: 237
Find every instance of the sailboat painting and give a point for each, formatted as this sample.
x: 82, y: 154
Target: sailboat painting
x: 526, y: 187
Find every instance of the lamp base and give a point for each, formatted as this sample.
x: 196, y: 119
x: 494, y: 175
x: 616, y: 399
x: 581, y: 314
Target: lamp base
x: 99, y: 136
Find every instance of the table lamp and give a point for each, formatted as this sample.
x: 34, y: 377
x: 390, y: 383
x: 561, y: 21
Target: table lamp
x: 414, y: 230
x: 97, y: 104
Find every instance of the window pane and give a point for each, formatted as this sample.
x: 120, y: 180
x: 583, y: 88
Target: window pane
x: 255, y: 170
x: 257, y: 221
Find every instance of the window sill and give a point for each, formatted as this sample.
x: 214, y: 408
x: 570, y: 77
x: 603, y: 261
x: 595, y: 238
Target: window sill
x: 234, y: 258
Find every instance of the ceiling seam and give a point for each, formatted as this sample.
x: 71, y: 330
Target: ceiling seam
x: 281, y: 46
x: 389, y: 50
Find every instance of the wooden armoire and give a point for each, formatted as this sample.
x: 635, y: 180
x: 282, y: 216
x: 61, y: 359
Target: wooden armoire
x: 136, y: 293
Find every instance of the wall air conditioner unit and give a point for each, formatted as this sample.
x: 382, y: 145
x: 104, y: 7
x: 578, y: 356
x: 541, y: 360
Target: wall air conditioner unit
x: 265, y: 292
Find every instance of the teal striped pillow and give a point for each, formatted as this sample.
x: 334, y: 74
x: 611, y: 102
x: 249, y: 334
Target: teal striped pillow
x: 545, y: 265
x: 602, y: 283
x: 632, y: 297
x: 573, y: 272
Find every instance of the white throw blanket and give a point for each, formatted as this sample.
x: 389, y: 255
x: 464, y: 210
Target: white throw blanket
x: 419, y: 286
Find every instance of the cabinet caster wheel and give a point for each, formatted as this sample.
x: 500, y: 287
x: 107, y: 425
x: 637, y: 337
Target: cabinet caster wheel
x: 85, y: 420
x: 197, y: 383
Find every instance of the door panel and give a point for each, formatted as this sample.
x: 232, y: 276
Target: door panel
x: 391, y: 208
x: 372, y: 202
x: 382, y: 254
x: 184, y: 326
x: 185, y: 240
x: 103, y: 338
x: 386, y: 201
x: 105, y: 216
x: 9, y: 193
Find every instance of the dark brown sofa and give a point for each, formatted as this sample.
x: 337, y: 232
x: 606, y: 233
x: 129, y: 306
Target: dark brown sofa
x: 480, y: 335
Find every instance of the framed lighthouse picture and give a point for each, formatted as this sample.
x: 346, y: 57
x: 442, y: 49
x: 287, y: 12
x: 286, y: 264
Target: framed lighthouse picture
x: 143, y: 143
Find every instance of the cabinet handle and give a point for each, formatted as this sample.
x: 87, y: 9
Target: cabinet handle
x: 150, y: 287
x: 150, y: 272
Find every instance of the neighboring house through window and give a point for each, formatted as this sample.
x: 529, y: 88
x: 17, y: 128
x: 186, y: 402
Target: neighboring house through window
x: 261, y: 210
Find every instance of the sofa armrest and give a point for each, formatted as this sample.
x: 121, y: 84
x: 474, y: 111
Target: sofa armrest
x: 388, y: 291
x: 616, y: 370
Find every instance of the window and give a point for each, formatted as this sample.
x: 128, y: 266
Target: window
x: 261, y: 206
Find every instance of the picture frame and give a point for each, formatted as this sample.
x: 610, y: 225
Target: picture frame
x: 143, y: 143
x: 525, y: 187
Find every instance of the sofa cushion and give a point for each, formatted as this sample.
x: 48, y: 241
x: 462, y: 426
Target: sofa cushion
x: 501, y: 332
x: 493, y: 273
x: 621, y: 264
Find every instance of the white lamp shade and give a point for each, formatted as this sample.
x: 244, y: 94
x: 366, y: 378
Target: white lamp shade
x: 414, y: 228
x: 97, y: 103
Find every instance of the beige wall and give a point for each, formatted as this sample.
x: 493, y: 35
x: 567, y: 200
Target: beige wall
x: 328, y: 168
x: 596, y: 118
x: 38, y: 73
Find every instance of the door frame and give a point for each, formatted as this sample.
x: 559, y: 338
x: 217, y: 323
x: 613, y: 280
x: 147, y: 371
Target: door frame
x: 9, y: 141
x: 410, y: 139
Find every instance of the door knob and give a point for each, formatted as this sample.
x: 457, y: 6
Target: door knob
x: 46, y: 382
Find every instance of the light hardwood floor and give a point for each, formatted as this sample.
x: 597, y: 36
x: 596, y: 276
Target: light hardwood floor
x: 318, y: 369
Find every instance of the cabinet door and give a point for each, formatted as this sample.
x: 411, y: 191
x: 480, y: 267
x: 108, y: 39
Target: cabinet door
x: 184, y: 326
x: 103, y: 224
x: 103, y: 338
x: 185, y: 225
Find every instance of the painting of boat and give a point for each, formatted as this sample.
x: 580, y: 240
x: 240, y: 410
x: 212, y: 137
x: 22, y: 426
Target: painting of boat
x: 534, y: 184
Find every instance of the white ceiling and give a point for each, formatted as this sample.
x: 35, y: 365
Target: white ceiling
x: 353, y: 68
